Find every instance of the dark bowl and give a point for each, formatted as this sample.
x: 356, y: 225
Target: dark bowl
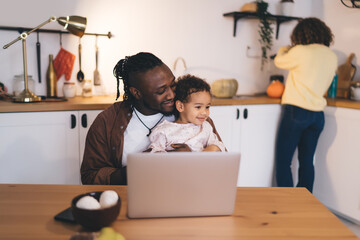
x: 95, y: 219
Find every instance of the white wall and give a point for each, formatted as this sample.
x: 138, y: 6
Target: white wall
x: 342, y: 21
x: 193, y: 29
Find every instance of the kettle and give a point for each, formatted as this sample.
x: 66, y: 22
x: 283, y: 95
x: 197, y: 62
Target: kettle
x: 355, y: 90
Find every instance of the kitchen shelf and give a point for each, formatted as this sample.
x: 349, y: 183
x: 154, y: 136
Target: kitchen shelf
x: 253, y: 15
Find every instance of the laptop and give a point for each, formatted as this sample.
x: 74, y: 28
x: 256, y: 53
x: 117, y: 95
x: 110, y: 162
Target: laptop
x: 181, y: 184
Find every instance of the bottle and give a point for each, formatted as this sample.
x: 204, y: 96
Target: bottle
x: 333, y: 87
x: 51, y: 79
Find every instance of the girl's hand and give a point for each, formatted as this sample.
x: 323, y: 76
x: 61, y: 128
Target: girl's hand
x: 211, y: 148
x: 180, y: 148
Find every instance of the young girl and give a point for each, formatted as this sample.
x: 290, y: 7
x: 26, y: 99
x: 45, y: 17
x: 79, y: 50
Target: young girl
x: 192, y: 102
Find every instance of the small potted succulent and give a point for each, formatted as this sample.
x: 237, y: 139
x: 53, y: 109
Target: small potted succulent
x: 286, y: 7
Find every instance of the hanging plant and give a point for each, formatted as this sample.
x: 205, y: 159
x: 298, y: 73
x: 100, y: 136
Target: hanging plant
x: 265, y: 30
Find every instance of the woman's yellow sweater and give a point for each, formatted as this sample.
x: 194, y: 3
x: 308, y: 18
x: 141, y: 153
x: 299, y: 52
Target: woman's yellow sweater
x: 311, y: 71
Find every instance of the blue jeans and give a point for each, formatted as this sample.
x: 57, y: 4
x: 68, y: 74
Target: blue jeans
x: 299, y: 128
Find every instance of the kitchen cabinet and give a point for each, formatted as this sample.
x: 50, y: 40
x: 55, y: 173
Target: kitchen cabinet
x: 337, y: 163
x: 250, y: 130
x: 227, y: 123
x: 42, y: 147
x: 86, y: 118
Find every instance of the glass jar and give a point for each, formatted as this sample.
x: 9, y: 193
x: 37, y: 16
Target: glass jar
x: 69, y: 89
x: 87, y: 89
x: 19, y: 84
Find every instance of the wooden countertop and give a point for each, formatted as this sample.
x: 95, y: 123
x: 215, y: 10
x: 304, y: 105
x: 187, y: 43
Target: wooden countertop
x: 102, y: 102
x: 27, y: 212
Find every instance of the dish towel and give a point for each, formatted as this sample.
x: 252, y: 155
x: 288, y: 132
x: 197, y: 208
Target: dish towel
x: 64, y: 64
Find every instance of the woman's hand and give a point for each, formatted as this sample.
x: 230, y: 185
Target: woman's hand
x: 211, y: 148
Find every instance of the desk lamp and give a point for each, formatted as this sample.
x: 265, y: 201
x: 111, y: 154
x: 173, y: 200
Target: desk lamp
x: 74, y: 24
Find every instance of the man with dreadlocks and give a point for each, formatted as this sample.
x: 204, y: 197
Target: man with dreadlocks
x: 125, y: 126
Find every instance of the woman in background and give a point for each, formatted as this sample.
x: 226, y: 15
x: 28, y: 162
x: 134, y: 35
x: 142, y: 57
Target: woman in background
x: 312, y: 65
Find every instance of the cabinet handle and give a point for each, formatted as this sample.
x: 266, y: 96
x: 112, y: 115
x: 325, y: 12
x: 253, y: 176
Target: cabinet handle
x: 73, y: 121
x: 245, y: 113
x: 237, y: 114
x: 84, y: 120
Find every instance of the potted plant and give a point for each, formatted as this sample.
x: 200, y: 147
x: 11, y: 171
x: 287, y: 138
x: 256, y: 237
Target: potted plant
x: 265, y: 30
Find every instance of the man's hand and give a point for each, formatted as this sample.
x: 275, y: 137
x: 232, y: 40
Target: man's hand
x: 180, y: 148
x: 211, y: 148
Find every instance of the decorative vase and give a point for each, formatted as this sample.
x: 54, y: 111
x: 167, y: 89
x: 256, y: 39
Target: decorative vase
x: 286, y: 8
x: 51, y: 79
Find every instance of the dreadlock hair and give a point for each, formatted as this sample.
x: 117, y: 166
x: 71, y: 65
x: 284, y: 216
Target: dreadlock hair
x: 311, y: 30
x: 138, y: 63
x: 188, y: 84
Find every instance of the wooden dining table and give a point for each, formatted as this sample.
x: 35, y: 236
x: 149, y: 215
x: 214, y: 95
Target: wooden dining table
x: 27, y: 212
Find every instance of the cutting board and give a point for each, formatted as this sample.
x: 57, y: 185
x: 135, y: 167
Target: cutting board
x: 345, y: 74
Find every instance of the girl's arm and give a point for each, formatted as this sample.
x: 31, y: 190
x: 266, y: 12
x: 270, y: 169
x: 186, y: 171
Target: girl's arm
x: 213, y: 143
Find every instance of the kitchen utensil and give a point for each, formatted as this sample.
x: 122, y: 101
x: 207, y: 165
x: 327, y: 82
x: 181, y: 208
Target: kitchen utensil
x: 345, y: 74
x: 97, y: 79
x: 80, y: 75
x: 38, y: 55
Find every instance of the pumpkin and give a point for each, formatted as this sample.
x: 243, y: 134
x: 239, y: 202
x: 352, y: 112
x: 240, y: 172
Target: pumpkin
x: 224, y: 88
x: 249, y: 7
x: 275, y: 89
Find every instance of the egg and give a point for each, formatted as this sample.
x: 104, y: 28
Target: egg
x: 108, y: 198
x: 88, y: 202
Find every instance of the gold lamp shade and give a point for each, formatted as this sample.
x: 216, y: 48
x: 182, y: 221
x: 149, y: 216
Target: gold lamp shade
x: 74, y: 24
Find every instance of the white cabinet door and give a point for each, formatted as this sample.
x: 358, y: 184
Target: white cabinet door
x: 86, y: 118
x: 259, y: 125
x: 227, y: 123
x: 39, y: 148
x: 337, y: 162
x: 250, y: 130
